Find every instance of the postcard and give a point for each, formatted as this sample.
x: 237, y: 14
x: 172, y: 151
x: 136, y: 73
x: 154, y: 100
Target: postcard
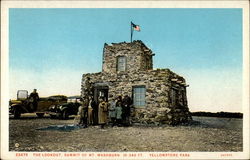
x: 125, y: 80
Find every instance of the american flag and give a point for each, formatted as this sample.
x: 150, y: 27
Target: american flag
x: 136, y: 27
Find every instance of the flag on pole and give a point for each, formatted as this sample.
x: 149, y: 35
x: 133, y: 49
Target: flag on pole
x: 136, y: 27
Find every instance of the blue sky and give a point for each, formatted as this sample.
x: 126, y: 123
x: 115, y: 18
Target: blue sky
x: 54, y: 47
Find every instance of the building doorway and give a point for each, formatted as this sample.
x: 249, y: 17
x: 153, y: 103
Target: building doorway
x: 100, y: 90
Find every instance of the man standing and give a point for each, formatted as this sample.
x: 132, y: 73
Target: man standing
x: 83, y: 112
x: 118, y: 113
x: 127, y: 102
x: 90, y: 113
x: 112, y: 112
x: 94, y: 106
x: 34, y: 98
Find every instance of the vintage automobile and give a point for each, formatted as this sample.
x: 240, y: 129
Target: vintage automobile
x: 63, y: 111
x: 23, y: 104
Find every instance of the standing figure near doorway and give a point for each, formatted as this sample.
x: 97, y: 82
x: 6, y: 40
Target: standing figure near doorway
x: 83, y: 112
x: 102, y: 112
x: 94, y: 106
x: 118, y: 113
x: 90, y: 113
x: 118, y: 110
x: 127, y: 102
x: 112, y: 112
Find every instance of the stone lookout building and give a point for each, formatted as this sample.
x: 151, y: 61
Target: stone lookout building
x: 159, y: 96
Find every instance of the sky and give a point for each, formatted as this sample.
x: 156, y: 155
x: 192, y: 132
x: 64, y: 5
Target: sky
x: 50, y: 49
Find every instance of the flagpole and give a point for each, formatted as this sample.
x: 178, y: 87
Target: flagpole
x: 131, y: 31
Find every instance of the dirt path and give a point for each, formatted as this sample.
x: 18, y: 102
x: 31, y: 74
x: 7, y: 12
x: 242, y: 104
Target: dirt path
x: 205, y: 134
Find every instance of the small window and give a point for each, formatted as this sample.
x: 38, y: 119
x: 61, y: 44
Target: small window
x: 121, y: 63
x: 139, y: 96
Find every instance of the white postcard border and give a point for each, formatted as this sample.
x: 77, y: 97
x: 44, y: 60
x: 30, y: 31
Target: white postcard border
x: 5, y: 5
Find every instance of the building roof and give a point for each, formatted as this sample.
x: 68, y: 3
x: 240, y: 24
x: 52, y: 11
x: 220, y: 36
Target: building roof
x: 127, y: 45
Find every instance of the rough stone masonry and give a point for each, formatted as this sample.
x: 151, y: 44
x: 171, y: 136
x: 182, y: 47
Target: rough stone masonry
x: 159, y: 96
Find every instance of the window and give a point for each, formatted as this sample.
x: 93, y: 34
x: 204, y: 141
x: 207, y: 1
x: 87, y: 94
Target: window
x: 139, y: 96
x: 121, y: 63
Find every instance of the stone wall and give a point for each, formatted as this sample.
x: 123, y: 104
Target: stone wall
x: 166, y: 100
x: 138, y: 56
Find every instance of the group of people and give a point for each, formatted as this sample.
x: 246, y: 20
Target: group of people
x: 100, y: 111
x: 117, y: 111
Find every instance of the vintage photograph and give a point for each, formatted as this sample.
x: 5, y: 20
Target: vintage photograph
x: 117, y: 83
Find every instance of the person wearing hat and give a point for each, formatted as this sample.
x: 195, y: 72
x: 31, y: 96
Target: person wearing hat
x: 102, y: 112
x: 118, y: 99
x: 119, y: 110
x: 90, y: 112
x: 34, y: 98
x: 94, y: 106
x: 118, y: 113
x: 83, y: 112
x: 126, y: 104
x: 112, y: 112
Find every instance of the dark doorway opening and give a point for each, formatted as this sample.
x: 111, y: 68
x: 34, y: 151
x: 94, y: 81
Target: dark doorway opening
x: 100, y: 90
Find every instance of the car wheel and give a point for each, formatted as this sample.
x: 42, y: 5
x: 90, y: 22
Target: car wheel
x: 17, y: 113
x: 40, y: 115
x: 65, y: 114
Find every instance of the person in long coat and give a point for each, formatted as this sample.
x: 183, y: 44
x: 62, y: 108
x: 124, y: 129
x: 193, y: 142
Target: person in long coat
x: 102, y: 112
x: 112, y: 112
x: 127, y: 102
x: 90, y: 114
x: 118, y: 111
x: 94, y: 106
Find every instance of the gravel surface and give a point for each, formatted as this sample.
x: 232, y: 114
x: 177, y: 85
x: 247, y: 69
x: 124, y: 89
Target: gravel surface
x: 203, y: 134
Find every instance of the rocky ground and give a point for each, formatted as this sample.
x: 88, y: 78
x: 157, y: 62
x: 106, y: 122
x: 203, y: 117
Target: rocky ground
x: 204, y: 134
